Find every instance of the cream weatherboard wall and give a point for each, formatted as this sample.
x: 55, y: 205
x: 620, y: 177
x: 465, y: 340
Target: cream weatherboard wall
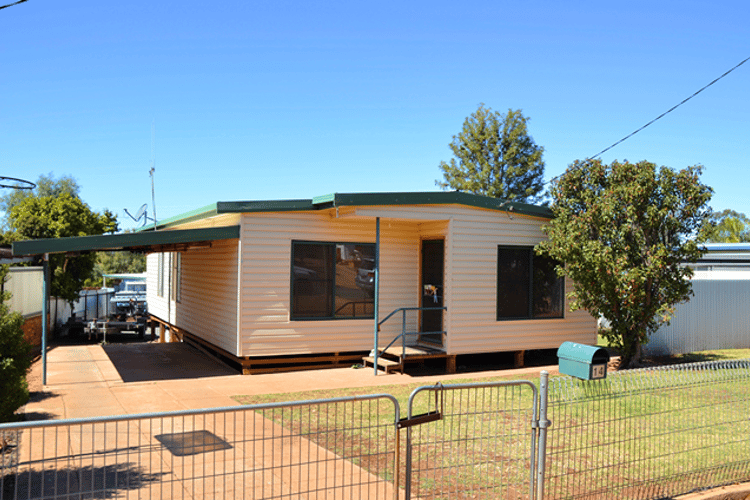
x: 237, y: 294
x: 204, y: 300
x: 266, y: 328
x: 472, y: 237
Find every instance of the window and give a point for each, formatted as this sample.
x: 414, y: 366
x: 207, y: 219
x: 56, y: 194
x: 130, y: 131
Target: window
x: 160, y: 276
x: 333, y: 280
x: 527, y: 285
x: 176, y: 259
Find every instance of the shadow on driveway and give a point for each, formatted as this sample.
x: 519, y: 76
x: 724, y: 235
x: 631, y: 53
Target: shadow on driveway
x: 154, y: 361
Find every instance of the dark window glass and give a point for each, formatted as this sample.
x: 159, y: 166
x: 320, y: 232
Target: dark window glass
x: 312, y: 280
x: 355, y: 281
x: 527, y: 285
x: 548, y: 289
x: 513, y: 285
x: 333, y: 280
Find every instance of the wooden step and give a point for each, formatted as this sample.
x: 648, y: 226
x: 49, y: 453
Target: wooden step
x: 384, y: 363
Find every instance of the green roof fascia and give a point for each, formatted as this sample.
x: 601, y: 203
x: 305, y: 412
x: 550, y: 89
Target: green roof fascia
x: 123, y: 241
x: 193, y: 215
x: 431, y: 198
x: 224, y: 207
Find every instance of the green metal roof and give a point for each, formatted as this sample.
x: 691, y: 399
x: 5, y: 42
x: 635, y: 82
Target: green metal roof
x: 355, y: 199
x: 197, y: 214
x: 141, y: 241
x: 429, y: 198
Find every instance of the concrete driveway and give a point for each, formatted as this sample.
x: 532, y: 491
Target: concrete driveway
x: 95, y: 380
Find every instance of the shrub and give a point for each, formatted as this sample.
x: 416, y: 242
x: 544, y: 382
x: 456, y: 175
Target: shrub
x: 15, y: 360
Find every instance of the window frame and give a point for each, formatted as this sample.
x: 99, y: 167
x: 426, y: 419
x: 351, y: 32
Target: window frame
x: 160, y: 275
x: 529, y: 283
x: 176, y: 264
x: 332, y: 312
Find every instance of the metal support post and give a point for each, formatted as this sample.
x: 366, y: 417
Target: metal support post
x: 541, y: 455
x: 45, y: 312
x: 377, y: 286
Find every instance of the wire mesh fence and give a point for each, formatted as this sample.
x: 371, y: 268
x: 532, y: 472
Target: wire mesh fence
x: 482, y: 446
x: 649, y: 433
x: 640, y: 434
x: 310, y: 449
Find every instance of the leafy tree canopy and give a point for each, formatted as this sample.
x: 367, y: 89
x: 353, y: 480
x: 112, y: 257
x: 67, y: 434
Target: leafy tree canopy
x: 46, y: 185
x: 622, y: 232
x: 116, y: 263
x: 495, y: 156
x: 728, y: 226
x: 60, y: 214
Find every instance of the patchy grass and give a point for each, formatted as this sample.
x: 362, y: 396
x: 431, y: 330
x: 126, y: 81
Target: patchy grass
x: 655, y: 432
x: 400, y: 391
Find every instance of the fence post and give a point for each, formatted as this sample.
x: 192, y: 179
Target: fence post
x: 541, y: 455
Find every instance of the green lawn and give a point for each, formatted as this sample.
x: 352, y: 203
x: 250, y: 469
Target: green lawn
x: 645, y: 428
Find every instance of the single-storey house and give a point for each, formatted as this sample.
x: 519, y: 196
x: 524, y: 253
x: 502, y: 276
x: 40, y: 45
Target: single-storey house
x: 292, y: 281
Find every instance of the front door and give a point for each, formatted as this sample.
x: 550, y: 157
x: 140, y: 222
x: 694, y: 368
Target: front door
x: 432, y: 291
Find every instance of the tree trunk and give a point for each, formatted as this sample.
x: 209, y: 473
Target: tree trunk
x: 632, y: 361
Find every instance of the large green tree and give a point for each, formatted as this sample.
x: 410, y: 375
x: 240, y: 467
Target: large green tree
x: 60, y: 216
x: 494, y: 155
x: 623, y: 233
x: 728, y: 226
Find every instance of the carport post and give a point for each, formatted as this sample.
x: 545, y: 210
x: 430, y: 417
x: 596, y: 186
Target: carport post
x: 377, y: 286
x: 45, y: 312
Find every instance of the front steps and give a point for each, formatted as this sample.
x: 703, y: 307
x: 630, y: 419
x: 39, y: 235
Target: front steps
x: 394, y: 358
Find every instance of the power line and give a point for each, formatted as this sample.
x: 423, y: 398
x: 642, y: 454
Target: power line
x: 667, y: 112
x: 12, y: 4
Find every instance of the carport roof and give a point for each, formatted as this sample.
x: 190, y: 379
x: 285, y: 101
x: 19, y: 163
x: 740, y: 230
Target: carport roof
x: 146, y: 241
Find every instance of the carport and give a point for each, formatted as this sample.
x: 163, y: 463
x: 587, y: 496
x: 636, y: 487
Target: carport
x: 145, y: 242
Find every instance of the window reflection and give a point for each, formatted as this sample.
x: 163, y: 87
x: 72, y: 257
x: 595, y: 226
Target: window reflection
x: 333, y: 280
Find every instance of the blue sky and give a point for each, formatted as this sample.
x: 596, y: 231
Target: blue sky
x: 281, y: 100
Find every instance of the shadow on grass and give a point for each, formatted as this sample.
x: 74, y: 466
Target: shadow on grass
x: 107, y: 481
x: 693, y: 357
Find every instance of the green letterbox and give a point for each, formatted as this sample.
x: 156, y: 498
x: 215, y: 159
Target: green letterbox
x: 583, y: 361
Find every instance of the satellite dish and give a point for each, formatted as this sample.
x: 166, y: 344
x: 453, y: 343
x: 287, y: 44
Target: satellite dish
x: 140, y: 214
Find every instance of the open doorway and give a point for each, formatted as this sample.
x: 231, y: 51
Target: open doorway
x: 433, y: 252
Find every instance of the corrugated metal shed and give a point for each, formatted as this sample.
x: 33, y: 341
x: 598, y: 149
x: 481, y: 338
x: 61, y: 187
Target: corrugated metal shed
x: 718, y: 315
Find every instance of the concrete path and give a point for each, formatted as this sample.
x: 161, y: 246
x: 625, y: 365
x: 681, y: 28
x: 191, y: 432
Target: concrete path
x: 91, y: 380
x: 264, y: 454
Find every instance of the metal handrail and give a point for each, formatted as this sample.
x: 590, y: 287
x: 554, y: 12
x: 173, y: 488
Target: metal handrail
x: 354, y: 307
x: 402, y: 335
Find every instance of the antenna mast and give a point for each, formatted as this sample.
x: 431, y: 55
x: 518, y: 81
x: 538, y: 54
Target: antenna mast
x: 153, y: 169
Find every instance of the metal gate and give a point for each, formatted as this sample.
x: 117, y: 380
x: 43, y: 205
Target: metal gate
x: 479, y: 440
x: 333, y: 448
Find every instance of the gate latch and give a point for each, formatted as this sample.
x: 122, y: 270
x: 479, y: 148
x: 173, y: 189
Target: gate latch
x: 430, y: 416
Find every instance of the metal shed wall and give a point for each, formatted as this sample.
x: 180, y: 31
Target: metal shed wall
x: 716, y: 317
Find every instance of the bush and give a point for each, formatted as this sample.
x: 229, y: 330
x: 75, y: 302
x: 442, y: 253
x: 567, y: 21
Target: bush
x: 15, y: 360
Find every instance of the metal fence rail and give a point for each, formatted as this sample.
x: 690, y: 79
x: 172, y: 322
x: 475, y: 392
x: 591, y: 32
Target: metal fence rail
x: 650, y: 433
x: 306, y: 449
x: 640, y: 434
x: 482, y: 446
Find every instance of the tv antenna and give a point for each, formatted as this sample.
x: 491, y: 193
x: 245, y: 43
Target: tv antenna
x: 153, y: 169
x: 141, y: 214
